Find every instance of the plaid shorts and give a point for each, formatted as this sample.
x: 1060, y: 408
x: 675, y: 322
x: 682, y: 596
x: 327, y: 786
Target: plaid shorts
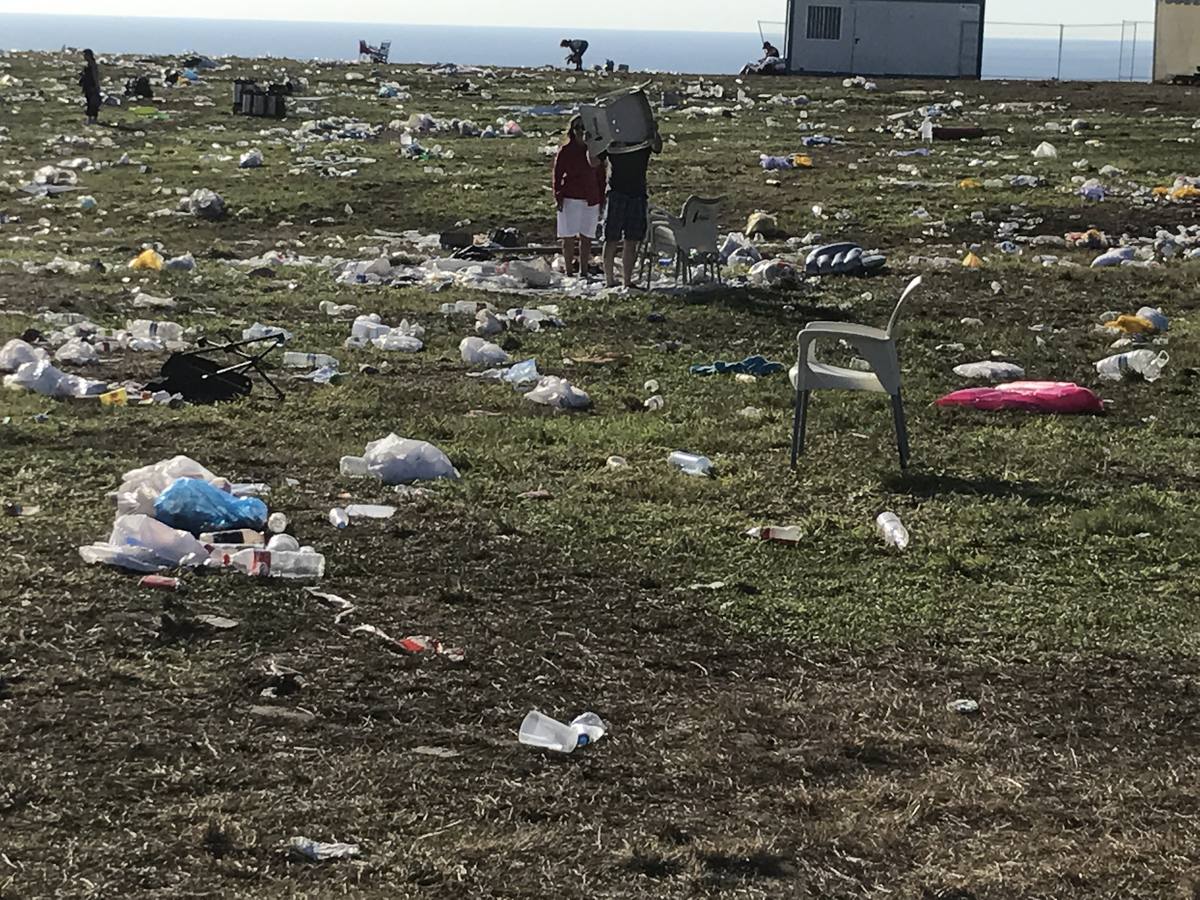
x: 625, y: 217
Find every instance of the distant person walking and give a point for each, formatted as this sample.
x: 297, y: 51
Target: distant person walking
x: 579, y: 195
x: 627, y: 205
x: 89, y: 80
x: 577, y: 48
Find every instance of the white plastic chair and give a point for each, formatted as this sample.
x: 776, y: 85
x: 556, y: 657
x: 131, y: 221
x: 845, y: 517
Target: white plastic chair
x: 697, y: 233
x: 693, y: 231
x: 877, y: 347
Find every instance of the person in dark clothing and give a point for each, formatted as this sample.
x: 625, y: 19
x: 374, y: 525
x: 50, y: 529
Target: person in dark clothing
x: 577, y: 48
x: 627, y: 205
x: 770, y: 63
x: 579, y: 196
x: 89, y: 80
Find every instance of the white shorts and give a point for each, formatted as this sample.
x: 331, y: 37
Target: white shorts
x: 577, y: 219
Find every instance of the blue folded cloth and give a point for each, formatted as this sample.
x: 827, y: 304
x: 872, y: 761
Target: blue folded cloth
x: 751, y: 365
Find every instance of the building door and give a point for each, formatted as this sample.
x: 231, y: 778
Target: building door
x: 911, y: 38
x: 822, y: 36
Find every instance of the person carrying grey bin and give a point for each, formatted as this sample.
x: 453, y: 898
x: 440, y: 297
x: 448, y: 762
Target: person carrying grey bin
x: 627, y: 204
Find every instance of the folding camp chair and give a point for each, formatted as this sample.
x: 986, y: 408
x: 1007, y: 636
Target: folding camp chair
x: 201, y: 379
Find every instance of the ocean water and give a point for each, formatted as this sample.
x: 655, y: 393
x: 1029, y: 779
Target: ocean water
x: 693, y: 52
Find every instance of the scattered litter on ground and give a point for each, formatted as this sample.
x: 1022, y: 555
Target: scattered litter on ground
x: 538, y: 730
x: 892, y: 530
x: 691, y: 463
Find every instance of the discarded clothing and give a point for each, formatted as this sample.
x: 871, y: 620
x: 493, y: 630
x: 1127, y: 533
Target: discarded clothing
x: 751, y: 365
x: 1030, y: 396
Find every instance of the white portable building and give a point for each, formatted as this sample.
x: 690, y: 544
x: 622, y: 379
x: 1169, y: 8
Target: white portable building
x: 913, y: 38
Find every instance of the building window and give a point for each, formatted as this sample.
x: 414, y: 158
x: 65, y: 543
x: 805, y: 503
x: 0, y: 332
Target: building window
x: 824, y: 23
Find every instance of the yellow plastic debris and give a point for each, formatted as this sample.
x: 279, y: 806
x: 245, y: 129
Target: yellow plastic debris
x: 970, y: 184
x: 1132, y: 325
x: 1186, y: 192
x: 147, y: 259
x: 971, y: 261
x: 114, y: 398
x: 1161, y: 191
x: 802, y: 162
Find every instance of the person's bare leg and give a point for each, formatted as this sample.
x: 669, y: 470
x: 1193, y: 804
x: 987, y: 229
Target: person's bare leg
x: 610, y: 261
x: 568, y: 248
x: 585, y: 256
x: 628, y: 261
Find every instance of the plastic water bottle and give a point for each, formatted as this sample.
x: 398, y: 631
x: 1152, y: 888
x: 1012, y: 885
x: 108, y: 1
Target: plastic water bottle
x: 691, y: 463
x: 162, y: 331
x: 295, y: 360
x: 279, y: 563
x: 246, y: 537
x: 277, y: 523
x: 338, y: 517
x: 354, y: 466
x: 1146, y: 363
x: 927, y: 131
x: 892, y: 530
x: 542, y: 731
x: 788, y: 533
x: 370, y: 511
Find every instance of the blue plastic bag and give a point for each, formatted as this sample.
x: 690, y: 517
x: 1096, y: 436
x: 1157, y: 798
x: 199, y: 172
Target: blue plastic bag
x: 194, y: 505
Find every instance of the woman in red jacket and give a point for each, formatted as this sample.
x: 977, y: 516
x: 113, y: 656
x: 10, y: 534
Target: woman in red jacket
x: 579, y: 195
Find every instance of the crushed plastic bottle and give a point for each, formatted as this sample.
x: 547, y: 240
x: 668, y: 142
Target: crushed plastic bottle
x: 790, y: 534
x: 370, y: 511
x: 654, y: 403
x: 279, y: 564
x: 338, y: 517
x: 1146, y: 363
x: 538, y: 730
x: 353, y: 466
x: 892, y: 530
x: 294, y: 360
x: 617, y: 462
x: 149, y: 330
x: 691, y: 463
x: 247, y: 537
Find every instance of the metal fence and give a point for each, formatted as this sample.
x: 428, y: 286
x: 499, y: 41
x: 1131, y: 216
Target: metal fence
x: 1115, y: 51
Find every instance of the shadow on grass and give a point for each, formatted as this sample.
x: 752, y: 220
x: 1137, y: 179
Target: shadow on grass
x: 927, y: 485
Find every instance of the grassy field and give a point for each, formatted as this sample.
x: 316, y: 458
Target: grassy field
x: 778, y: 722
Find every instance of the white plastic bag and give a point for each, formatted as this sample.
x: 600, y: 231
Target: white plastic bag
x: 77, y: 351
x: 558, y: 393
x: 43, y: 378
x: 1045, y: 150
x: 478, y: 352
x: 396, y: 340
x: 990, y: 371
x: 141, y: 487
x: 17, y: 352
x: 397, y: 460
x: 144, y: 544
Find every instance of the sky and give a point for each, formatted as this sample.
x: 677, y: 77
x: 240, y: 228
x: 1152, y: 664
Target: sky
x: 677, y: 15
